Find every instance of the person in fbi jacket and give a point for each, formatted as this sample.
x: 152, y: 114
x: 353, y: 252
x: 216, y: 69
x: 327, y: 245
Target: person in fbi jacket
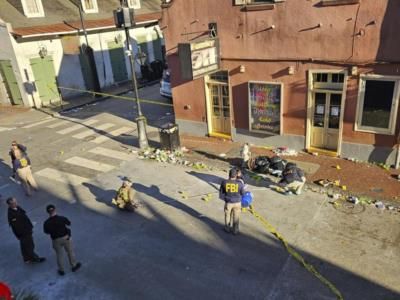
x: 231, y: 191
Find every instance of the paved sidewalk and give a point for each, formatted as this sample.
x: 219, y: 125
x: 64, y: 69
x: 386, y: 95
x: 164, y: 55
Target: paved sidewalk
x: 361, y: 179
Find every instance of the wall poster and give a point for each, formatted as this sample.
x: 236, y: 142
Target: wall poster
x: 265, y: 107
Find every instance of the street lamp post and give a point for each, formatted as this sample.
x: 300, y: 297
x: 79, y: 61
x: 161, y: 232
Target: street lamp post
x: 124, y: 18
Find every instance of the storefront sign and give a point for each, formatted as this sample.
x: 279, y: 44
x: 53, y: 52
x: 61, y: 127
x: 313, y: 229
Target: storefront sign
x: 199, y: 58
x: 265, y: 100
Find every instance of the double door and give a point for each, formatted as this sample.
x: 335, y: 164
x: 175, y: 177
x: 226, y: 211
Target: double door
x: 45, y: 80
x: 326, y: 120
x: 220, y: 109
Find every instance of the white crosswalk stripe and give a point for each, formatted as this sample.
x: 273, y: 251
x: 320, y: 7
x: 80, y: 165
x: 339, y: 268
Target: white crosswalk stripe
x: 60, y: 176
x: 114, y: 133
x: 77, y: 127
x: 90, y: 164
x: 111, y: 153
x: 39, y: 123
x: 6, y: 128
x: 89, y: 132
x: 58, y: 124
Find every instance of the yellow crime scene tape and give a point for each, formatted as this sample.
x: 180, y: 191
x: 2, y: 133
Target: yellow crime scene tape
x: 297, y: 256
x: 268, y: 226
x: 116, y: 96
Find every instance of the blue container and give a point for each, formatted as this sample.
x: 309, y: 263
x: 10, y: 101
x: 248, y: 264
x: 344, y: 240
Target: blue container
x: 247, y: 198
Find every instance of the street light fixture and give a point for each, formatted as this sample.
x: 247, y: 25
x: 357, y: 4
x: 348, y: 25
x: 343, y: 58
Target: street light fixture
x: 124, y: 18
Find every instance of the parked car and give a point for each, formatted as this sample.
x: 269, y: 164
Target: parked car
x: 165, y: 84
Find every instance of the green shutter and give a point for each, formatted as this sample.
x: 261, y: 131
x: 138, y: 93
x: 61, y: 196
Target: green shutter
x: 118, y: 65
x: 10, y: 82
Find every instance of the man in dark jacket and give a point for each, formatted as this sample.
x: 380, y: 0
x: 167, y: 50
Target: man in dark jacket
x: 22, y: 228
x: 56, y: 227
x: 293, y: 179
x: 231, y: 191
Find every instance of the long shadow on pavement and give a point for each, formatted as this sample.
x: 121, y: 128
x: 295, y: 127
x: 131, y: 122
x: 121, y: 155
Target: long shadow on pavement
x: 170, y: 251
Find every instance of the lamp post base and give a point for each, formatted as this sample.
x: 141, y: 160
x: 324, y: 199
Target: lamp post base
x: 142, y: 134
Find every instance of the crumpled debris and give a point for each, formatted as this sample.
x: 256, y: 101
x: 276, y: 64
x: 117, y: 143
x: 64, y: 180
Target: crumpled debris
x: 285, y: 151
x: 353, y: 199
x: 174, y: 157
x: 379, y: 204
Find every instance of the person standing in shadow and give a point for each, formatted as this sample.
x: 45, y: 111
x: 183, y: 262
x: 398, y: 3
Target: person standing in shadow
x: 22, y: 228
x: 56, y: 227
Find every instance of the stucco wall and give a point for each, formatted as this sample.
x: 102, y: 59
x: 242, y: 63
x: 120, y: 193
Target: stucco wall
x: 347, y: 32
x: 363, y: 35
x: 67, y: 66
x: 7, y: 53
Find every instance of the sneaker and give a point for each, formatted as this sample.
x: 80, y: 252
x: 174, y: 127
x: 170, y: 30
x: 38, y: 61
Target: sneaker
x: 227, y: 229
x: 60, y: 272
x: 76, y: 267
x: 41, y: 259
x: 28, y: 262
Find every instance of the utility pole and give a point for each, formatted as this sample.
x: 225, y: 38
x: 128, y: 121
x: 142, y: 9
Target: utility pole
x: 124, y: 19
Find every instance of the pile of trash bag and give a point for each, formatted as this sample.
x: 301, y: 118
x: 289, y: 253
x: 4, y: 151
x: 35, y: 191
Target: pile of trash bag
x: 268, y: 165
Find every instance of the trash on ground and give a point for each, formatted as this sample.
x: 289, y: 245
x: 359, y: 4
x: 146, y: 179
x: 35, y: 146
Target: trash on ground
x: 285, y: 151
x: 337, y: 196
x: 338, y: 167
x: 174, y: 157
x: 353, y: 199
x: 379, y: 204
x: 222, y: 155
x: 325, y: 182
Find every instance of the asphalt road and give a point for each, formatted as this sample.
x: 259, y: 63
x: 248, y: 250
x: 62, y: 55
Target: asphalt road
x: 174, y: 247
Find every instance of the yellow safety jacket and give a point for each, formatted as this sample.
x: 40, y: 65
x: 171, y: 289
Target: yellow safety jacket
x: 123, y: 194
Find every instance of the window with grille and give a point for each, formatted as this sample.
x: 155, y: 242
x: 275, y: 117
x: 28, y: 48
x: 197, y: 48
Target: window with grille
x: 134, y: 4
x: 89, y: 6
x: 33, y: 8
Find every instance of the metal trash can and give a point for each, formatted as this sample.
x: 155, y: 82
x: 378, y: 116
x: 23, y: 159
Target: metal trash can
x: 169, y: 137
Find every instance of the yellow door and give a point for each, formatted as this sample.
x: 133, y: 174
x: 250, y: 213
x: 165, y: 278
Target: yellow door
x: 220, y: 109
x: 325, y: 122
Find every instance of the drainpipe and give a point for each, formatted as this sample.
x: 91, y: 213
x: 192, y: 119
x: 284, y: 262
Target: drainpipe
x: 397, y: 163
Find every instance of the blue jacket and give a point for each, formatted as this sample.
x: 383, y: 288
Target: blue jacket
x: 231, y: 190
x: 21, y: 163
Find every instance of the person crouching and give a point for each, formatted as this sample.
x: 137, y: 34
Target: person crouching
x: 293, y: 179
x: 124, y: 199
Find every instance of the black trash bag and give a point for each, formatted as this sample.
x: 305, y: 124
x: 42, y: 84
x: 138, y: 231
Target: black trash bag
x: 277, y: 165
x: 264, y: 169
x: 261, y: 164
